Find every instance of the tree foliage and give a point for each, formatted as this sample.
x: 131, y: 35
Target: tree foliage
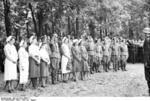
x: 98, y: 17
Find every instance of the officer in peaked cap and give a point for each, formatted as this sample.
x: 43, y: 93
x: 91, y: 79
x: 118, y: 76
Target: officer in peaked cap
x: 146, y: 48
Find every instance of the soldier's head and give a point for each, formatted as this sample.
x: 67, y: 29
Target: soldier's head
x: 147, y: 32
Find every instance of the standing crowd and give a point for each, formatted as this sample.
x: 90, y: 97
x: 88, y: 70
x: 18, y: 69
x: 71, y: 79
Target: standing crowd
x: 61, y: 59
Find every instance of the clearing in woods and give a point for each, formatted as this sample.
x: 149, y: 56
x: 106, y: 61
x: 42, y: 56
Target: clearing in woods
x: 113, y: 84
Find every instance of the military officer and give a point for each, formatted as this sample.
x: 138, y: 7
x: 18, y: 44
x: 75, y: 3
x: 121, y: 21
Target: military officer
x: 146, y: 48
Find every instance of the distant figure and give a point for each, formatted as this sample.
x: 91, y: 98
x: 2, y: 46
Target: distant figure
x: 146, y: 48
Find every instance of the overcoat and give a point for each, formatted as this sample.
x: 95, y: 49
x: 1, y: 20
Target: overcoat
x: 146, y: 49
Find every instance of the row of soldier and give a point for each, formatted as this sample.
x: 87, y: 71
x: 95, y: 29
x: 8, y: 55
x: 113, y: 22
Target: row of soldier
x: 62, y: 59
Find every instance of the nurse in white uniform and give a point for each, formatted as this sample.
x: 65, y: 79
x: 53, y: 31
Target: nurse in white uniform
x: 11, y: 54
x: 66, y: 56
x: 23, y: 64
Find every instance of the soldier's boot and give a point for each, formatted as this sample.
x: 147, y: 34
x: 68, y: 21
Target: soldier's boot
x: 53, y: 78
x: 106, y: 67
x: 121, y: 64
x: 125, y: 67
x: 109, y: 65
x: 98, y: 68
x: 92, y: 69
x: 114, y: 67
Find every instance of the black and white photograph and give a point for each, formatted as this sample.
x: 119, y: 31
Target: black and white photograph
x: 74, y: 48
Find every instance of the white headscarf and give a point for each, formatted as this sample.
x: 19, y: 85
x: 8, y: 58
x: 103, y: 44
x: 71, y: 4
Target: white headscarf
x: 75, y: 40
x: 31, y: 39
x: 21, y: 43
x: 9, y: 38
x: 63, y: 40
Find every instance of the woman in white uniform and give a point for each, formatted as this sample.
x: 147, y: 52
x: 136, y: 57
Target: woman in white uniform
x: 11, y: 54
x: 66, y: 56
x: 23, y: 64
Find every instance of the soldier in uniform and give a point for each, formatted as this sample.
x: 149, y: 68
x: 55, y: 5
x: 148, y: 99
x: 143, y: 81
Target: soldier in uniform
x: 99, y: 55
x: 114, y: 54
x: 146, y: 48
x: 91, y: 54
x: 55, y: 58
x: 123, y: 55
x: 106, y: 53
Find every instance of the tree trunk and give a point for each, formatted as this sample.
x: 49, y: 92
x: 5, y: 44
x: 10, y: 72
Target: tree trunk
x: 34, y: 19
x: 69, y: 30
x: 77, y: 23
x: 40, y: 24
x: 7, y: 17
x: 77, y: 26
x: 27, y: 30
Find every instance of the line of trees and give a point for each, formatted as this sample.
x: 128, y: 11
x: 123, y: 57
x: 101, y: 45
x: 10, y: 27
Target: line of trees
x: 97, y: 17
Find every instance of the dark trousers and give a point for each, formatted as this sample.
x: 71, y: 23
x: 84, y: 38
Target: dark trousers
x: 106, y: 63
x: 123, y: 62
x: 54, y: 76
x: 148, y: 83
x: 115, y: 62
x: 90, y: 61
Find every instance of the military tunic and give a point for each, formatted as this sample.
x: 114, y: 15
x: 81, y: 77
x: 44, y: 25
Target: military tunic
x: 114, y: 56
x: 146, y: 48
